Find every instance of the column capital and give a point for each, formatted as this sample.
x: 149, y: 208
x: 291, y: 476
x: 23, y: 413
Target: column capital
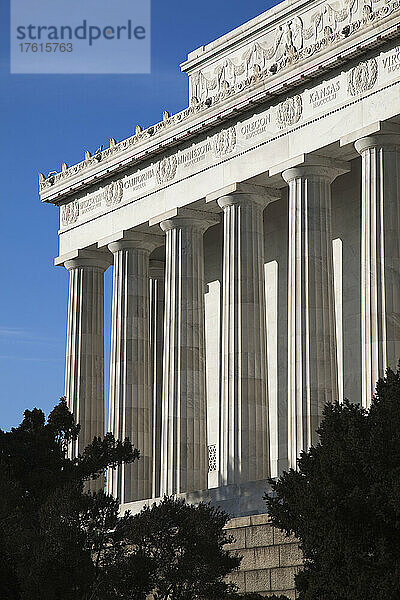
x: 309, y: 165
x: 379, y: 140
x: 124, y: 240
x: 243, y: 192
x: 186, y: 217
x: 84, y: 258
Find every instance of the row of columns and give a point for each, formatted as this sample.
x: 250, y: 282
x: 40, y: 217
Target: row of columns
x: 161, y: 404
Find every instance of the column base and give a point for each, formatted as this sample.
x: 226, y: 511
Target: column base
x: 239, y: 500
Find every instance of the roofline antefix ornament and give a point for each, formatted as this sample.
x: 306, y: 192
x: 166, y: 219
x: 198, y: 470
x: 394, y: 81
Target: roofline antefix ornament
x: 283, y: 47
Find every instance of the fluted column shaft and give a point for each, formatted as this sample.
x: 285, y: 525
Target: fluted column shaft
x: 244, y: 434
x: 157, y: 273
x: 84, y: 373
x: 380, y: 258
x: 130, y: 407
x: 184, y: 421
x: 312, y: 363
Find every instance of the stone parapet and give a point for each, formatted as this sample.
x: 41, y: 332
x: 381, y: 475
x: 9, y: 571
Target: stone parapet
x: 270, y: 558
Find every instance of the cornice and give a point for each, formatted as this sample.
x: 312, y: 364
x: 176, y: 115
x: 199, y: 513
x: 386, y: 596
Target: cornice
x: 294, y: 69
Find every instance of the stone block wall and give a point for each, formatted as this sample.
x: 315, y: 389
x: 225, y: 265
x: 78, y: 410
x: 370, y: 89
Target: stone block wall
x: 270, y: 559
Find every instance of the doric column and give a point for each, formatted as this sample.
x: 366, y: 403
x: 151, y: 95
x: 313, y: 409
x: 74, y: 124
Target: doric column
x: 312, y: 367
x: 131, y: 403
x: 84, y: 374
x: 184, y: 421
x: 157, y: 273
x: 244, y: 435
x: 380, y: 258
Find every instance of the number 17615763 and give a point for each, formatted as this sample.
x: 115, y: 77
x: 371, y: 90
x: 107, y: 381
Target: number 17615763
x: 47, y: 47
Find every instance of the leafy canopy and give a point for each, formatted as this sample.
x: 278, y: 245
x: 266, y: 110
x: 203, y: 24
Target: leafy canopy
x: 59, y: 542
x: 343, y: 502
x: 54, y: 538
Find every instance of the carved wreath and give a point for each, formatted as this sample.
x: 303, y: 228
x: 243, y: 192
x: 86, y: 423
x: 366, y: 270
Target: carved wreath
x: 225, y: 141
x: 289, y: 111
x: 166, y: 169
x: 70, y: 213
x: 363, y: 77
x: 113, y: 193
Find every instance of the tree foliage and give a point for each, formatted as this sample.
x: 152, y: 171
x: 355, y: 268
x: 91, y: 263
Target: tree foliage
x: 58, y: 542
x: 55, y: 540
x: 186, y: 545
x: 343, y: 502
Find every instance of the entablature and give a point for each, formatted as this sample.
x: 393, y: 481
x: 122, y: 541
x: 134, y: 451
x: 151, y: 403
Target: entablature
x: 299, y: 57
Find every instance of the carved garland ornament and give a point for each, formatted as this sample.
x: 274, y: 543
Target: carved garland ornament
x: 363, y: 77
x: 113, y: 193
x: 289, y: 112
x: 296, y: 39
x: 70, y: 213
x: 224, y: 142
x: 166, y: 169
x: 292, y: 41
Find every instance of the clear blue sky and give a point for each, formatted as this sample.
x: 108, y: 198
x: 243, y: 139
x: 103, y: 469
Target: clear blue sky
x: 48, y: 119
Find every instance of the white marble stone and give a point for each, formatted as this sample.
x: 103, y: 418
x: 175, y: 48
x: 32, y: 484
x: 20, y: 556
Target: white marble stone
x: 184, y: 419
x: 131, y: 400
x: 244, y: 437
x: 380, y: 258
x: 157, y: 274
x: 272, y: 325
x: 312, y: 360
x: 289, y: 92
x: 84, y: 372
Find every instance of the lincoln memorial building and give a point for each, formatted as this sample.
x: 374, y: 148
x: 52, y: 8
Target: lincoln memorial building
x: 254, y: 241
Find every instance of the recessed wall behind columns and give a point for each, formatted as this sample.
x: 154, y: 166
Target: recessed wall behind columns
x: 213, y: 245
x: 276, y: 272
x: 346, y: 227
x: 275, y: 262
x: 346, y: 223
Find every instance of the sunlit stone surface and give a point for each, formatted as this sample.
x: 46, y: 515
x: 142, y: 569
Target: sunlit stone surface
x: 273, y: 283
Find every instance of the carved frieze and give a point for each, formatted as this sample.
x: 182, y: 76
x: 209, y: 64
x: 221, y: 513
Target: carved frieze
x: 166, y: 169
x: 113, y: 193
x: 259, y: 130
x: 224, y: 142
x: 363, y: 77
x: 289, y: 111
x: 70, y: 213
x: 296, y: 39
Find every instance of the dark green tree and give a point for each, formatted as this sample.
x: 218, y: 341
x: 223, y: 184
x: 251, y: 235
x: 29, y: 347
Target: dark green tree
x: 56, y: 541
x: 343, y: 502
x: 186, y: 545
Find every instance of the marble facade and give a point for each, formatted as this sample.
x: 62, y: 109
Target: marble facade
x: 254, y: 239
